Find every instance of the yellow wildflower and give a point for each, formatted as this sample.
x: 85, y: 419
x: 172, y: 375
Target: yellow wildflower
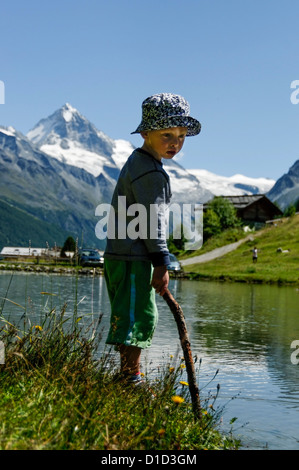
x: 177, y: 399
x: 184, y: 383
x: 38, y: 327
x: 171, y: 369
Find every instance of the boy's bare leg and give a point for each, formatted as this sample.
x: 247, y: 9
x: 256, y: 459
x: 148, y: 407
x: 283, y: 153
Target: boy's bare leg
x: 130, y: 359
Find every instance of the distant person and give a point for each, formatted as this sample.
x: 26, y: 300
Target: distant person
x: 254, y: 254
x: 135, y: 268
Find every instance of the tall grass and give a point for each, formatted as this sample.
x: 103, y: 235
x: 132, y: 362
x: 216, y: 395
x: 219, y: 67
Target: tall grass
x: 57, y: 393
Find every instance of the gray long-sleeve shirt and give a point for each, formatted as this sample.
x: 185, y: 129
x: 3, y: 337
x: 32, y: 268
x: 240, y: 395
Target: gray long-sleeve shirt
x: 142, y: 181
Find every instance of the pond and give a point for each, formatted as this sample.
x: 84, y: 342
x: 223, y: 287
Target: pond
x: 245, y: 332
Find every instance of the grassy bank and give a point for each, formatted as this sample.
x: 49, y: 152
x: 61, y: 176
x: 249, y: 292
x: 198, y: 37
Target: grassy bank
x: 57, y: 394
x: 278, y: 258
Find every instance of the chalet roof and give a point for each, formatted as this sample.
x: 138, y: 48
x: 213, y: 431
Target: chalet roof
x: 243, y: 200
x: 240, y: 201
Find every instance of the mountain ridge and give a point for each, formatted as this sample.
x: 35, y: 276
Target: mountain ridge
x: 65, y: 167
x: 70, y: 148
x: 285, y: 191
x: 47, y: 188
x: 70, y: 137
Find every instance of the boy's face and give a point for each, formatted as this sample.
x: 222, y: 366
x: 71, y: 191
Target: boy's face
x: 165, y: 143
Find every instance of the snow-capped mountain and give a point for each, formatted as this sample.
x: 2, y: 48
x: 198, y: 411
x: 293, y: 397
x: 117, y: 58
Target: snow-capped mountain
x: 233, y: 185
x: 65, y: 167
x: 69, y: 137
x: 47, y: 189
x: 286, y: 189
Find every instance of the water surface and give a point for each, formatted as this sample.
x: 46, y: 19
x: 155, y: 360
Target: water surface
x: 244, y: 331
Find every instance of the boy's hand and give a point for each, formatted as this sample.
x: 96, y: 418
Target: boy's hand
x: 160, y: 279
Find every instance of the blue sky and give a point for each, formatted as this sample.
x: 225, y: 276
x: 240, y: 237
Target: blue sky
x: 233, y: 60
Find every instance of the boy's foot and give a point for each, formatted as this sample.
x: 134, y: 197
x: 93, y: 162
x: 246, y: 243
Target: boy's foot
x: 136, y: 380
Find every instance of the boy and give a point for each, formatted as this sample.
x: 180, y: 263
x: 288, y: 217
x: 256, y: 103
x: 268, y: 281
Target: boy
x: 136, y: 266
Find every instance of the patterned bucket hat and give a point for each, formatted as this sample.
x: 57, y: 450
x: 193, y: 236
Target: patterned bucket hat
x: 166, y: 110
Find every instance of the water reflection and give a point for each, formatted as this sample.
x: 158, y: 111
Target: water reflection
x: 245, y: 331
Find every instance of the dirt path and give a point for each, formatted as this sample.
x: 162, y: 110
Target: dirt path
x: 215, y: 253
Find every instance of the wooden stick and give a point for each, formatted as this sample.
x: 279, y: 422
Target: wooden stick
x: 185, y: 343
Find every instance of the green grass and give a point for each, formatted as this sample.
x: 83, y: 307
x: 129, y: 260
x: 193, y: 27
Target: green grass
x: 272, y: 266
x: 224, y: 238
x: 57, y: 394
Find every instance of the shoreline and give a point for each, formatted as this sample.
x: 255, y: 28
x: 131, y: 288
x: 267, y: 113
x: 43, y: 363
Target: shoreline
x: 97, y: 271
x: 46, y: 269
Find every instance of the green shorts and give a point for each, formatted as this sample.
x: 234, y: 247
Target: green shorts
x: 134, y: 313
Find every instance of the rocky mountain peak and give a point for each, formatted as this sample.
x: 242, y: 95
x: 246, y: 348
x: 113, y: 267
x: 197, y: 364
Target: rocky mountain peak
x: 286, y: 189
x: 71, y: 138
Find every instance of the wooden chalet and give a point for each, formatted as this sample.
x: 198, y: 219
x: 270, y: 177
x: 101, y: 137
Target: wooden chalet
x: 250, y: 208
